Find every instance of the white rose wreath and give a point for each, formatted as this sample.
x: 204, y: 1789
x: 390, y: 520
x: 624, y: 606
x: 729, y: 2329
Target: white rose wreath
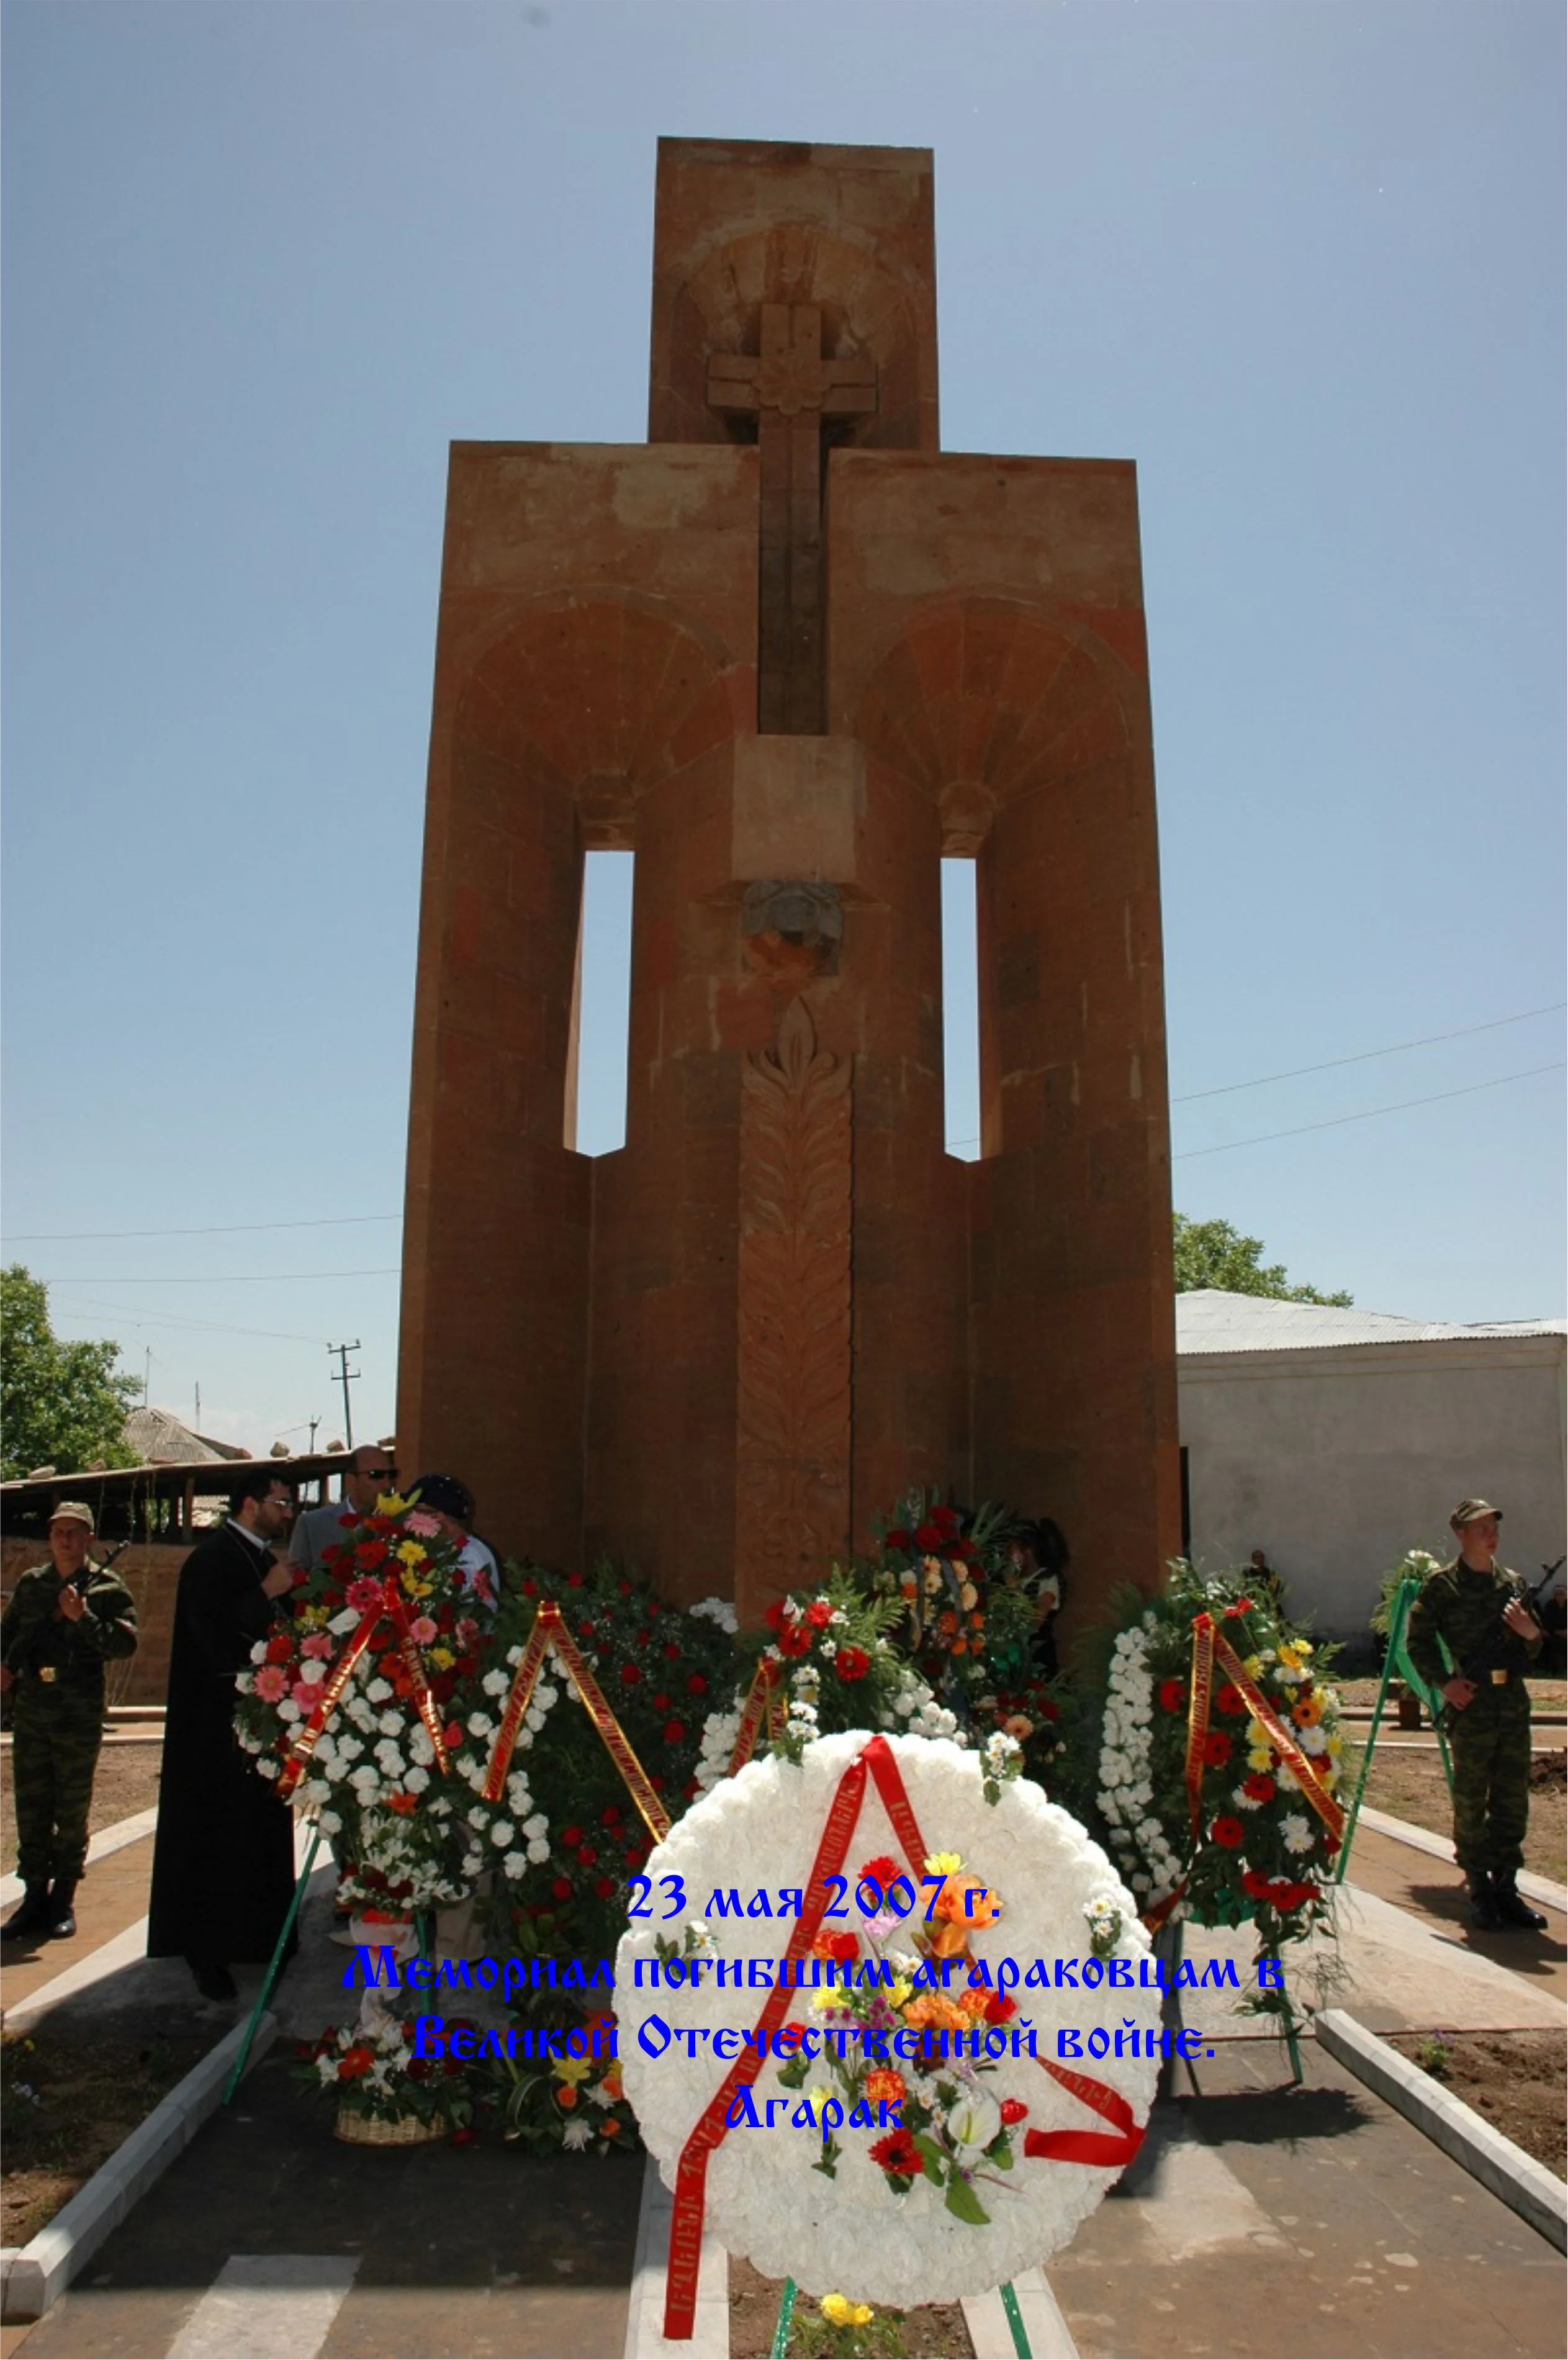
x: 823, y: 2210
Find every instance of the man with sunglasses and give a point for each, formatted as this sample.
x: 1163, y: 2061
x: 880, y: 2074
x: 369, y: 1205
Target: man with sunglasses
x: 371, y: 1471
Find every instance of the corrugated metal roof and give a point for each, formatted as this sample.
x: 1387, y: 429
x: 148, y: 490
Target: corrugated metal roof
x: 1209, y: 1320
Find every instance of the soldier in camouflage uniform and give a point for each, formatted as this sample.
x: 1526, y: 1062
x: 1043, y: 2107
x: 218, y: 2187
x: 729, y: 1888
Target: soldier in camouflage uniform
x: 66, y: 1620
x: 1473, y: 1606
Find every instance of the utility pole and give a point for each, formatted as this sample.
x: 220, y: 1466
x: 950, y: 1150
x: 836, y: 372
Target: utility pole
x: 345, y: 1374
x: 198, y: 1405
x: 315, y: 1423
x: 147, y: 1379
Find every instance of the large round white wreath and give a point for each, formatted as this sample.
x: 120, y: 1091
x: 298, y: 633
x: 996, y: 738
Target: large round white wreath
x: 853, y: 2231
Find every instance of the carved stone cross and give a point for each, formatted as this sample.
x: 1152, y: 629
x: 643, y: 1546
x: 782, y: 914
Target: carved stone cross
x: 791, y: 389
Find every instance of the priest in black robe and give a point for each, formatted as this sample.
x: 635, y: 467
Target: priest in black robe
x: 223, y: 1868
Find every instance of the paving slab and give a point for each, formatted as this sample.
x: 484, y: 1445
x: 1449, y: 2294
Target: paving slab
x: 1290, y: 2224
x: 461, y: 2251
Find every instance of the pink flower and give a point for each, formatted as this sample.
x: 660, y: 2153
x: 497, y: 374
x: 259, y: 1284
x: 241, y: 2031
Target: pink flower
x: 270, y: 1685
x: 420, y: 1521
x: 422, y: 1631
x: 307, y: 1694
x: 318, y: 1644
x: 364, y: 1593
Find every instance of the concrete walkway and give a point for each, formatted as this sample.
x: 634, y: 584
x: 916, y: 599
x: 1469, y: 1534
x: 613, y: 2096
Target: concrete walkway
x: 1259, y: 2220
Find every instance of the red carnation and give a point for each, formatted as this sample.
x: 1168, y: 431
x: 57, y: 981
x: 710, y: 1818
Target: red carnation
x: 1258, y: 1788
x: 695, y: 1684
x: 673, y: 1654
x: 661, y: 1704
x: 674, y: 1730
x: 572, y: 1837
x: 795, y: 1641
x: 587, y: 1856
x: 1242, y: 1606
x: 928, y: 1536
x: 946, y: 1519
x: 611, y: 1815
x: 999, y: 2008
x: 630, y: 1674
x: 604, y: 1886
x: 1229, y: 1832
x: 561, y: 1888
x: 897, y: 1538
x: 1230, y: 1700
x: 280, y: 1648
x: 774, y: 1618
x: 842, y: 1947
x: 819, y: 1613
x: 1013, y: 2111
x: 882, y: 1869
x: 1172, y: 1695
x: 1216, y: 1748
x: 852, y: 1663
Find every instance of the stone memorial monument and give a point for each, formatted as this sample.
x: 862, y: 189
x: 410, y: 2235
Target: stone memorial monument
x: 791, y: 653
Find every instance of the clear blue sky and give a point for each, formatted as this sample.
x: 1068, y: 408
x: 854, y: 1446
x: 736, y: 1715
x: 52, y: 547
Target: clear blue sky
x: 1303, y: 262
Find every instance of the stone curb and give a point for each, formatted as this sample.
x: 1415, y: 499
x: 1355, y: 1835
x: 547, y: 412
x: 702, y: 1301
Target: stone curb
x: 710, y: 2338
x: 1536, y: 2194
x: 1050, y: 2337
x: 1436, y: 1847
x: 37, y: 2275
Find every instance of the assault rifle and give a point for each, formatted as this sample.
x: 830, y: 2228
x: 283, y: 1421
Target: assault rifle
x: 1502, y: 1650
x: 16, y: 1658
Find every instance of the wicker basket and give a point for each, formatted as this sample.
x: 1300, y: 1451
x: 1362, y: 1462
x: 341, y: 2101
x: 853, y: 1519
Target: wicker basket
x: 401, y: 2130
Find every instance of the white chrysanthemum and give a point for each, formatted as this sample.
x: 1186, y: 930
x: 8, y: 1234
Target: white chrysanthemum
x: 1297, y: 1831
x: 764, y: 2200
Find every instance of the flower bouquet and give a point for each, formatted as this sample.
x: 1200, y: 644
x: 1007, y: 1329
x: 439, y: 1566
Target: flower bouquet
x: 1219, y: 1799
x: 386, y: 2096
x: 348, y: 1703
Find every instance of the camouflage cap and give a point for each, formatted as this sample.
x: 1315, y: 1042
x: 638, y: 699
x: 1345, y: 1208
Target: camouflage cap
x: 76, y: 1510
x: 1468, y: 1511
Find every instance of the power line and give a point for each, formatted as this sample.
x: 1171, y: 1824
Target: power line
x: 223, y: 1230
x: 231, y: 1278
x: 179, y: 1320
x: 1395, y: 1049
x: 1368, y: 1113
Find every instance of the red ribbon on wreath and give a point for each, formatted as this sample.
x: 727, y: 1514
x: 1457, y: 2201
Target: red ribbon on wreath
x: 877, y: 1759
x: 390, y: 1607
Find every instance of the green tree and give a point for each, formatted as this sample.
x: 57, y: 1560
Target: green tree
x: 1211, y: 1253
x: 60, y: 1405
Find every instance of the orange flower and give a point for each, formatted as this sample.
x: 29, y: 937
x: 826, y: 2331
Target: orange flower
x: 403, y: 1803
x: 961, y: 1645
x: 885, y: 2084
x: 1307, y: 1712
x: 565, y: 2097
x: 609, y: 2127
x: 935, y: 2009
x: 975, y: 2001
x: 611, y: 2085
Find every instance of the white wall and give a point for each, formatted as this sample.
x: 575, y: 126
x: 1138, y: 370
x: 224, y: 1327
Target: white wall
x: 1335, y: 1462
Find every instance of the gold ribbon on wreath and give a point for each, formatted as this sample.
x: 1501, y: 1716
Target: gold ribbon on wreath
x: 307, y: 1736
x: 1209, y: 1648
x: 549, y: 1632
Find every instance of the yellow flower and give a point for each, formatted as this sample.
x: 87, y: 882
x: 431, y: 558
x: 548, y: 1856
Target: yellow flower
x: 944, y: 1863
x: 1259, y: 1758
x: 442, y: 1658
x: 413, y: 1587
x: 411, y: 1552
x: 1336, y: 1746
x: 572, y: 2070
x: 838, y: 2312
x: 817, y: 2098
x: 1252, y: 1666
x: 314, y: 1617
x: 900, y: 1991
x: 1293, y: 1655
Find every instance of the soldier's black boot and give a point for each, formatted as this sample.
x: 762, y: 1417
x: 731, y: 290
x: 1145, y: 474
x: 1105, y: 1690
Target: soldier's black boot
x: 61, y: 1922
x: 1484, y: 1910
x: 31, y: 1917
x: 1512, y: 1907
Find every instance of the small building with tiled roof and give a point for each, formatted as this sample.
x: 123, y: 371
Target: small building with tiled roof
x: 1334, y: 1438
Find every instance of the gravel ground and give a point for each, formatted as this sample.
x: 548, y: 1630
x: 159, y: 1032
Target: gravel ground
x: 1413, y: 1786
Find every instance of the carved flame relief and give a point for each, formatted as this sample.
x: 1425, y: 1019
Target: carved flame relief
x: 793, y: 1475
